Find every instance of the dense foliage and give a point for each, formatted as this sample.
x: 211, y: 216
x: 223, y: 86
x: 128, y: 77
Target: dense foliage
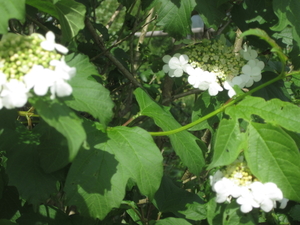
x: 141, y: 121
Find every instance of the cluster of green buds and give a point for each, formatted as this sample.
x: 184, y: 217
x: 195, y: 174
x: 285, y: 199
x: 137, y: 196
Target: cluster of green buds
x: 19, y: 53
x: 239, y: 173
x: 215, y: 56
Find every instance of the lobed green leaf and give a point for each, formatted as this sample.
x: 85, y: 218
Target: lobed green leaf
x: 97, y: 179
x: 274, y: 111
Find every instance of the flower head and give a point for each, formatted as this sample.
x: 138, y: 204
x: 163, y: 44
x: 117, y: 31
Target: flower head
x: 236, y: 181
x: 29, y: 63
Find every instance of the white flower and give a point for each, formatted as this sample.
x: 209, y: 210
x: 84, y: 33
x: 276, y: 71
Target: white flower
x: 246, y: 200
x: 204, y: 80
x: 40, y: 79
x: 65, y: 72
x: 266, y: 195
x: 228, y: 86
x: 240, y: 81
x: 225, y: 188
x: 49, y: 44
x: 60, y: 88
x: 176, y: 65
x: 14, y: 94
x: 252, y: 71
x: 248, y: 53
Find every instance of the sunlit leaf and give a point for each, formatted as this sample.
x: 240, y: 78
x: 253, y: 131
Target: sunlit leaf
x: 184, y: 143
x: 274, y: 111
x: 229, y: 143
x: 273, y: 156
x: 89, y: 95
x: 13, y: 9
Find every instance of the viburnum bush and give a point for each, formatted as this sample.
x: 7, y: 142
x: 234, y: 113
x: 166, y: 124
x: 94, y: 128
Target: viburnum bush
x: 149, y: 112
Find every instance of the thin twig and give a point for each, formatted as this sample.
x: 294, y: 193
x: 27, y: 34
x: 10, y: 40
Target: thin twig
x: 194, y: 91
x: 221, y: 29
x: 116, y: 62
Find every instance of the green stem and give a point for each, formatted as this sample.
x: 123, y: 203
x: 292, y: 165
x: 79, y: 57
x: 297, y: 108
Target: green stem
x: 221, y: 109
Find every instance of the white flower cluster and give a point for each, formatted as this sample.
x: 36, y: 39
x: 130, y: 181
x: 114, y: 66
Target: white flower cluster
x: 249, y: 192
x: 211, y: 81
x: 251, y: 72
x: 31, y: 63
x: 198, y: 78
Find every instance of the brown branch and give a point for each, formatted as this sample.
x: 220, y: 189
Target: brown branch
x: 116, y: 62
x: 114, y: 16
x: 37, y: 23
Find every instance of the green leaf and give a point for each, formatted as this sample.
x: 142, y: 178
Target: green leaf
x: 95, y: 182
x: 273, y: 156
x: 284, y: 114
x: 71, y: 15
x: 175, y: 16
x: 211, y: 13
x: 229, y: 143
x: 254, y: 14
x: 140, y: 157
x: 13, y: 9
x: 294, y: 213
x: 89, y: 95
x: 203, y: 106
x: 233, y: 216
x: 6, y: 222
x: 10, y: 202
x: 274, y: 90
x: 53, y: 149
x: 215, y: 212
x: 46, y: 6
x: 63, y: 119
x: 8, y: 128
x: 171, y: 221
x: 97, y: 179
x: 170, y: 198
x: 287, y: 13
x: 24, y: 172
x: 184, y: 143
